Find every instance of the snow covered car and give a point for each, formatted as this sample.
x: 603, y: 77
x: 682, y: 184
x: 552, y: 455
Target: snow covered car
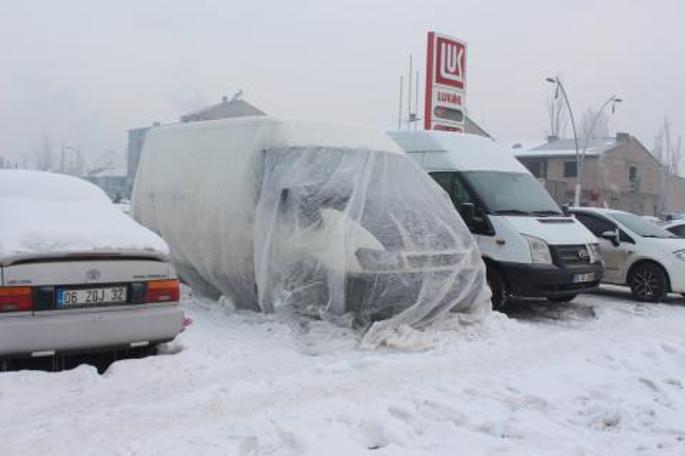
x: 76, y: 273
x: 637, y: 253
x: 676, y: 227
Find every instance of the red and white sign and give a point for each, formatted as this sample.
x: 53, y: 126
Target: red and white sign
x: 445, y: 83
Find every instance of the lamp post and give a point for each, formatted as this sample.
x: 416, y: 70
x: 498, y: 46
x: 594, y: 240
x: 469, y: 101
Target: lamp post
x: 560, y: 87
x: 612, y: 100
x: 62, y: 156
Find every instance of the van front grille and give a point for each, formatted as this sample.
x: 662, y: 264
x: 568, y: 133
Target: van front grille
x: 572, y: 255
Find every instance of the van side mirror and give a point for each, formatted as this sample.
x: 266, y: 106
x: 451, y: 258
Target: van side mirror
x: 468, y: 213
x: 612, y: 236
x: 565, y: 210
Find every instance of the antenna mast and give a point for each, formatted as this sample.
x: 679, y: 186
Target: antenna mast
x: 399, y: 116
x: 411, y: 70
x: 416, y: 103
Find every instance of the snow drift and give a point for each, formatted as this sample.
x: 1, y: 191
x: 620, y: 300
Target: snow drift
x: 333, y: 221
x: 52, y: 214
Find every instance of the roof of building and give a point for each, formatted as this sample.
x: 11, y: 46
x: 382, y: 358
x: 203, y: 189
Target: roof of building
x: 564, y: 147
x: 227, y: 108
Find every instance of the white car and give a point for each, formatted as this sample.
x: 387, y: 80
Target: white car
x: 676, y: 227
x: 652, y: 219
x: 637, y: 253
x: 77, y: 274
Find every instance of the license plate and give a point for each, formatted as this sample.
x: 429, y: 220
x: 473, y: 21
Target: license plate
x: 90, y: 296
x: 580, y: 278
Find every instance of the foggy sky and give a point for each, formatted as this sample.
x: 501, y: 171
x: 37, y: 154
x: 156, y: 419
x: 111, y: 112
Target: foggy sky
x: 83, y: 72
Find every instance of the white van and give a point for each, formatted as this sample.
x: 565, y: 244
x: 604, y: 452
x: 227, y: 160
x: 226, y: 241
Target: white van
x: 333, y: 221
x: 530, y: 246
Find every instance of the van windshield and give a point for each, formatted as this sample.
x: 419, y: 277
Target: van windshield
x: 510, y: 193
x: 391, y: 199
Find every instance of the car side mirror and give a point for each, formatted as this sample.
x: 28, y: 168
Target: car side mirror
x: 612, y: 236
x: 467, y: 212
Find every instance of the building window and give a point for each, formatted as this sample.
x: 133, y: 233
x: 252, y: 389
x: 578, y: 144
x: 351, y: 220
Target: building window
x: 632, y: 173
x: 634, y: 179
x: 537, y: 168
x: 570, y: 169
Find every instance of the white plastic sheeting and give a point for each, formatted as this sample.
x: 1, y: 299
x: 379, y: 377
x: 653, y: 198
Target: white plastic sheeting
x: 333, y: 221
x: 44, y: 213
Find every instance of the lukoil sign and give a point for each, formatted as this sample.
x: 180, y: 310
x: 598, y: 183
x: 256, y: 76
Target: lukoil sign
x: 445, y: 83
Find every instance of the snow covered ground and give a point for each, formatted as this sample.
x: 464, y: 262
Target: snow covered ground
x: 604, y: 376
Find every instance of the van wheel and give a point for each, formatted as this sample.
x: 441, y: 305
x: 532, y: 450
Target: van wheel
x: 565, y: 298
x: 497, y: 287
x: 648, y: 282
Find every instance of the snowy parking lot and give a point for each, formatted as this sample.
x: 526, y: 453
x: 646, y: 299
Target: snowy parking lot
x: 603, y: 375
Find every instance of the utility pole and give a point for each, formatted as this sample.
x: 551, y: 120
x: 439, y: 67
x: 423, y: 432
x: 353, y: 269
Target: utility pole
x: 560, y: 87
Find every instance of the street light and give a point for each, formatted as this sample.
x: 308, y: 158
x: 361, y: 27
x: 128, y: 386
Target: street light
x: 612, y: 100
x: 560, y: 87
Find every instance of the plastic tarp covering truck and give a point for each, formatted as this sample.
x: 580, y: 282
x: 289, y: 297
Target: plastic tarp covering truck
x: 335, y: 222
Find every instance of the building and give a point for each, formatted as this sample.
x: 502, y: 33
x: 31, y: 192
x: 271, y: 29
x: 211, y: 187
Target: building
x: 136, y: 139
x: 618, y: 172
x: 236, y: 107
x: 113, y: 181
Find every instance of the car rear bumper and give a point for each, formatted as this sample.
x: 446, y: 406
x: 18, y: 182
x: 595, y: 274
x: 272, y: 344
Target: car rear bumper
x: 47, y: 332
x: 534, y: 280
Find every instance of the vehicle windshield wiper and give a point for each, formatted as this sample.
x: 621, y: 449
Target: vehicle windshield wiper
x: 547, y: 212
x: 512, y: 212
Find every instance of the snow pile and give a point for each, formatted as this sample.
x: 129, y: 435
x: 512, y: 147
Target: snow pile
x: 254, y: 384
x: 54, y: 213
x: 333, y: 220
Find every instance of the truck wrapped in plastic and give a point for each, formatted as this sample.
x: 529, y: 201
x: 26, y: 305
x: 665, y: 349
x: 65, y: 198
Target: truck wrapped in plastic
x: 334, y: 221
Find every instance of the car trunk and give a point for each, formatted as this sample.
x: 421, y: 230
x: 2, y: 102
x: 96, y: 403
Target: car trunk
x: 85, y: 280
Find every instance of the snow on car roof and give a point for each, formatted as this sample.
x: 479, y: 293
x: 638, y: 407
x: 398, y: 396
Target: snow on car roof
x: 47, y: 186
x: 47, y: 213
x: 278, y: 133
x: 464, y: 152
x: 672, y: 223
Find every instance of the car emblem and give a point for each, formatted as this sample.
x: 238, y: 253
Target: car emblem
x: 583, y: 254
x: 93, y: 274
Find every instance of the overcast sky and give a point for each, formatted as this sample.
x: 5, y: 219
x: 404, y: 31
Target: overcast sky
x: 83, y: 72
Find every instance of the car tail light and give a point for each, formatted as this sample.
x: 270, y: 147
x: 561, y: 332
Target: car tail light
x: 15, y: 299
x: 162, y: 291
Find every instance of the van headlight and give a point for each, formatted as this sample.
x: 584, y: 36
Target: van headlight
x: 539, y: 250
x: 680, y: 254
x: 595, y: 252
x: 379, y: 260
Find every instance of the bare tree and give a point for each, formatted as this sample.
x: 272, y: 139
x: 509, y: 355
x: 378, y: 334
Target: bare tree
x: 73, y: 161
x: 103, y: 162
x: 668, y: 151
x: 43, y: 156
x: 600, y: 128
x: 78, y: 163
x: 556, y: 115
